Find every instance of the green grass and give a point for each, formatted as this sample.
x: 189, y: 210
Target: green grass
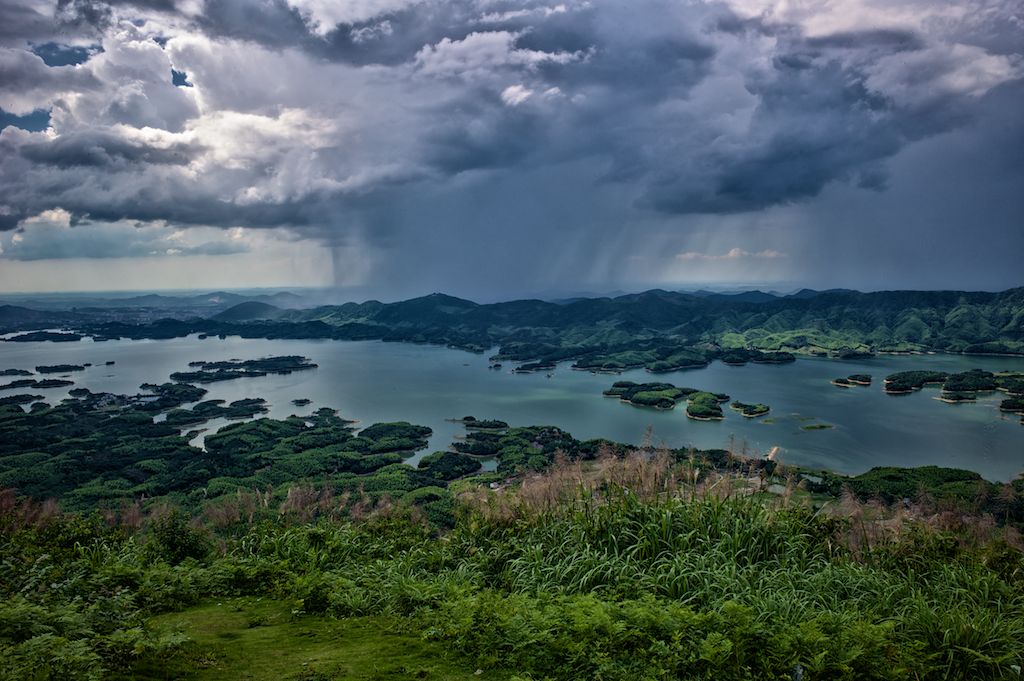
x: 258, y: 639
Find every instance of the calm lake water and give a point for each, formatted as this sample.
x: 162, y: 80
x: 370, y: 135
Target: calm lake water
x: 374, y: 381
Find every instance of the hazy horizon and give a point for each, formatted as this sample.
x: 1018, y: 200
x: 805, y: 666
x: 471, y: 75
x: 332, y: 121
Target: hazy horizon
x: 314, y: 296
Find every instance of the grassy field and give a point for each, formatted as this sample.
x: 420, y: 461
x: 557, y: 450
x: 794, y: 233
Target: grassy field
x: 256, y: 639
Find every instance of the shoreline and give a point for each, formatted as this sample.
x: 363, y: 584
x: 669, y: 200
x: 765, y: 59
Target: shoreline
x: 946, y: 400
x: 704, y: 418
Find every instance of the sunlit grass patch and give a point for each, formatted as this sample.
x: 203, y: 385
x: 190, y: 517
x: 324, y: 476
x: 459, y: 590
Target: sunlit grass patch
x: 257, y: 639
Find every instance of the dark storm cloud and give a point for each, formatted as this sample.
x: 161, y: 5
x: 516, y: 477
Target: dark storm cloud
x: 104, y: 149
x: 816, y: 122
x: 24, y: 75
x: 23, y: 22
x: 888, y: 40
x: 325, y: 118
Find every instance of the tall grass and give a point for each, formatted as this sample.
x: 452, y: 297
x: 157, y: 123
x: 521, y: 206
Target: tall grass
x: 633, y: 567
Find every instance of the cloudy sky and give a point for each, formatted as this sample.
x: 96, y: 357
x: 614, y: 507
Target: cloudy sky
x: 493, y: 148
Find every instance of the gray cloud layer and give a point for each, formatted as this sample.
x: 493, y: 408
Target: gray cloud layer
x: 596, y: 133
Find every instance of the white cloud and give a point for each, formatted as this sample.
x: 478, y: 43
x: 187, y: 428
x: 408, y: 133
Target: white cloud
x: 54, y: 217
x: 731, y: 254
x: 322, y: 16
x: 377, y: 31
x: 512, y: 15
x: 940, y: 72
x: 480, y: 54
x: 514, y: 95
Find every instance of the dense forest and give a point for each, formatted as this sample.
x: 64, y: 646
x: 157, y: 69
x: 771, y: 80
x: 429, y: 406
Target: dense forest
x: 659, y: 330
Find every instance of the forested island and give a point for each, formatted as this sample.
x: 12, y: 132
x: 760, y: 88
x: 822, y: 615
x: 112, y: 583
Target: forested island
x: 958, y: 388
x: 750, y: 410
x: 700, y: 405
x: 59, y: 368
x: 852, y: 380
x: 52, y: 336
x: 705, y: 406
x: 36, y: 383
x: 656, y: 395
x: 227, y: 370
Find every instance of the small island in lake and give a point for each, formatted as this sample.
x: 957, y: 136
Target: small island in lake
x: 52, y: 336
x: 1014, y: 405
x: 654, y: 395
x: 956, y: 397
x: 302, y: 402
x: 60, y: 368
x: 166, y: 396
x: 750, y: 410
x: 852, y: 380
x: 471, y: 422
x: 974, y: 380
x: 957, y: 388
x: 20, y: 383
x: 227, y: 370
x: 30, y: 383
x: 15, y: 372
x: 705, y: 406
x: 905, y: 382
x: 52, y: 383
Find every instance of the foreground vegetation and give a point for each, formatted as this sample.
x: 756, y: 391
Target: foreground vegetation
x: 629, y: 567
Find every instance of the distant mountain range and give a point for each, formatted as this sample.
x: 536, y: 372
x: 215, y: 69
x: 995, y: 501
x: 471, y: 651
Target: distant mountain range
x: 218, y: 299
x: 70, y: 308
x: 657, y: 322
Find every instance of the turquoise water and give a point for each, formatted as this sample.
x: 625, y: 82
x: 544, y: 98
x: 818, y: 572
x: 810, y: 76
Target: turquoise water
x: 374, y: 381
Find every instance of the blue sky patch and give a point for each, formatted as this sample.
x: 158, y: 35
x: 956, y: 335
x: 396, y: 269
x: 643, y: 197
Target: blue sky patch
x: 57, y: 54
x: 36, y: 121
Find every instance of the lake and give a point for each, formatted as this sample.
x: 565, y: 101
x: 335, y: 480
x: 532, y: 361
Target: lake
x: 374, y: 381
